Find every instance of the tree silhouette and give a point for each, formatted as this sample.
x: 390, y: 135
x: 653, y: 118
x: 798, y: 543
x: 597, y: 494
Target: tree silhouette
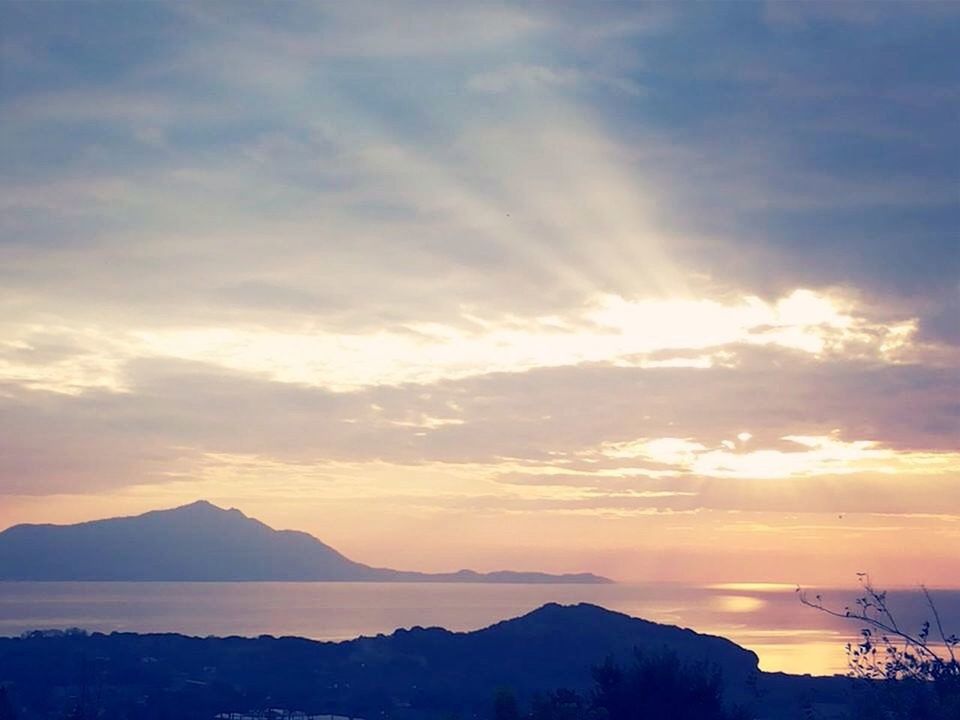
x: 914, y: 675
x: 505, y: 706
x: 659, y: 686
x: 655, y: 687
x: 6, y: 706
x: 561, y: 705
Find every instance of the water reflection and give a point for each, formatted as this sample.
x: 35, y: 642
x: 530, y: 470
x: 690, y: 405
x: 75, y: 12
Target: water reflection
x: 737, y: 603
x: 766, y: 618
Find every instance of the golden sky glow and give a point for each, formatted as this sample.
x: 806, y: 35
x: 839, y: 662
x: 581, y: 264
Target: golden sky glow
x: 610, y: 329
x: 522, y: 294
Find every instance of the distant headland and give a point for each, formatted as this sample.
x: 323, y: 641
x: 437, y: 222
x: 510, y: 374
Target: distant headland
x: 201, y: 542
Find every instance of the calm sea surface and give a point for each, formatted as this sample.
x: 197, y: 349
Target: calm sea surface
x: 765, y: 618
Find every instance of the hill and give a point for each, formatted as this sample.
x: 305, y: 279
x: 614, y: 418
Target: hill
x: 414, y: 673
x: 202, y: 542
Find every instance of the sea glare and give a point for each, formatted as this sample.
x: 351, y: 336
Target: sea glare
x: 768, y: 619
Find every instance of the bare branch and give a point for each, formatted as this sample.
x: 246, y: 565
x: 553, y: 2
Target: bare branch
x: 904, y: 655
x: 936, y: 616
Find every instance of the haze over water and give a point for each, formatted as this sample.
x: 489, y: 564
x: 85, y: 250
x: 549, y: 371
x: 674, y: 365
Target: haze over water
x: 767, y: 619
x: 664, y: 292
x: 661, y: 291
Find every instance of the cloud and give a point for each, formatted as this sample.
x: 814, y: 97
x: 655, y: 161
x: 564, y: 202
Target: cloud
x: 530, y: 78
x: 811, y: 455
x: 855, y: 13
x: 438, y: 260
x: 665, y: 331
x: 522, y: 77
x: 597, y: 425
x: 305, y: 165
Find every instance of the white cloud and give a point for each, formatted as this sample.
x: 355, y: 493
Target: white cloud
x: 815, y: 456
x: 644, y: 333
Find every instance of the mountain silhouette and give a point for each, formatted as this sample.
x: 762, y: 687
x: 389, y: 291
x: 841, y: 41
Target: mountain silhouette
x: 555, y: 644
x: 413, y: 673
x: 202, y: 542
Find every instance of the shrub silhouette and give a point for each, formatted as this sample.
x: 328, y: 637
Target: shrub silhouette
x: 655, y: 687
x: 659, y: 687
x: 911, y: 675
x: 561, y: 705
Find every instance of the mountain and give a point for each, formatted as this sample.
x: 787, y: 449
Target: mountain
x: 410, y: 674
x: 202, y: 542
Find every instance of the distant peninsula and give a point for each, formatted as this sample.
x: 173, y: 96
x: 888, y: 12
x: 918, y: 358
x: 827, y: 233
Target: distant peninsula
x: 201, y: 542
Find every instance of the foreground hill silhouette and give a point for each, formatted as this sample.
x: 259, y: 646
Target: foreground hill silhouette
x: 416, y: 673
x: 202, y: 542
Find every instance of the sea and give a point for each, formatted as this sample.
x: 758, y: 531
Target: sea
x: 766, y: 618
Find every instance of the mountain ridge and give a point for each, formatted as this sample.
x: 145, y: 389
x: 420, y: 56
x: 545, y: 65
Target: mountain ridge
x: 201, y: 542
x: 409, y: 673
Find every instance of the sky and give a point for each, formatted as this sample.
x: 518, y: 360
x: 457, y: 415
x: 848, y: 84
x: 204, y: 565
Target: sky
x: 660, y: 291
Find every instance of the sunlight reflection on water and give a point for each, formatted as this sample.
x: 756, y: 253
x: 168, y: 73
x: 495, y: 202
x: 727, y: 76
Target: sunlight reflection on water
x: 768, y: 619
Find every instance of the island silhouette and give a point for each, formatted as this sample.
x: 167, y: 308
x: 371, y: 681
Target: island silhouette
x: 201, y: 542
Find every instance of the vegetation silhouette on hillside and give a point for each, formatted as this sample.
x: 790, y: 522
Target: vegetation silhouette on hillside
x: 652, y: 687
x: 416, y: 673
x: 912, y: 675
